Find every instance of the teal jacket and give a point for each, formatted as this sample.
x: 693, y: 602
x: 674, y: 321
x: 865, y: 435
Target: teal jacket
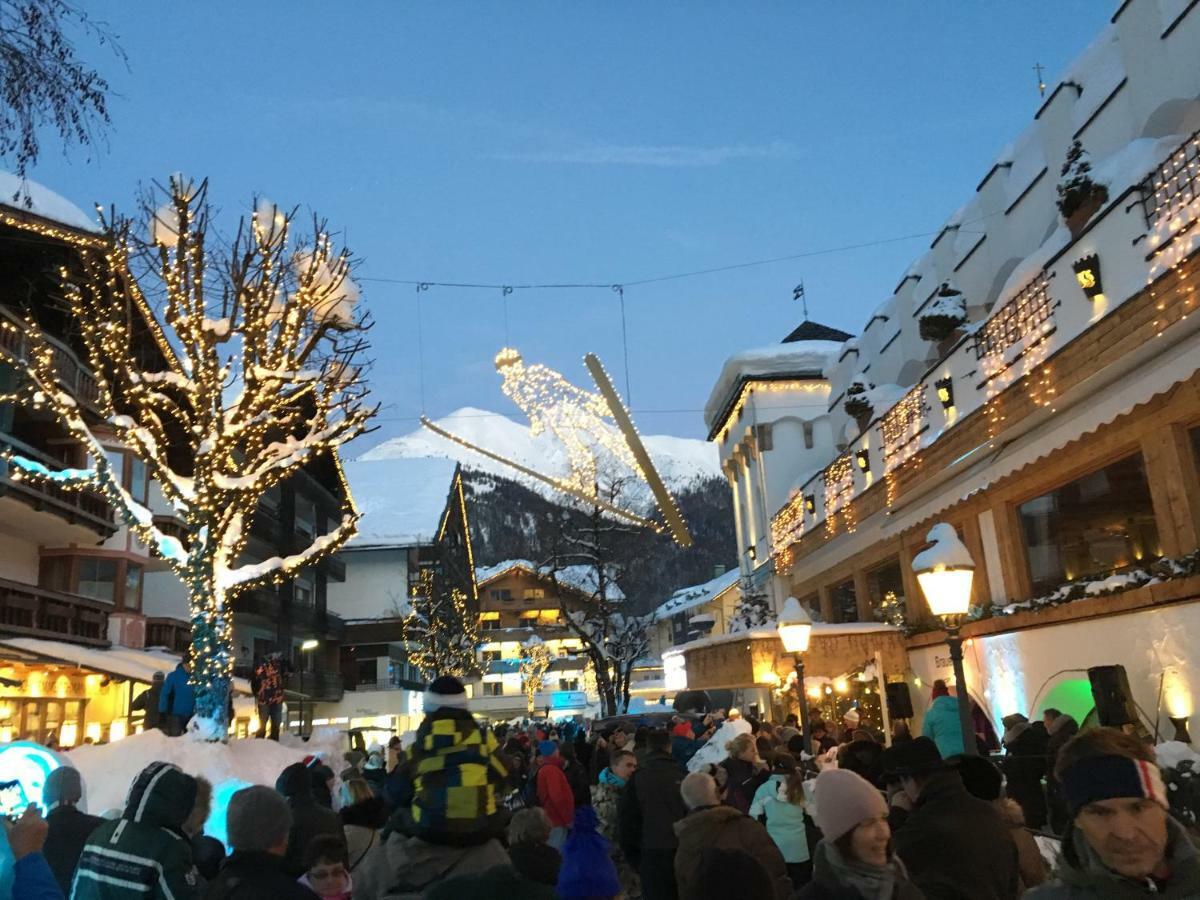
x: 941, y: 724
x: 785, y: 821
x: 143, y: 855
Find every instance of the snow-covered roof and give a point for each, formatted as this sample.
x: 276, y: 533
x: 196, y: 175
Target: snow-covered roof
x: 820, y: 629
x: 800, y: 359
x: 123, y: 662
x: 697, y: 595
x: 582, y: 578
x: 43, y: 202
x: 402, y: 500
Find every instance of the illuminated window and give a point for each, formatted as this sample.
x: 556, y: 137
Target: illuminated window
x: 535, y: 593
x: 884, y: 580
x: 1094, y: 525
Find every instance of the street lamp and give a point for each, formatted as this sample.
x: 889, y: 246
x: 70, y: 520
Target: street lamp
x: 795, y: 631
x: 306, y: 647
x: 945, y: 571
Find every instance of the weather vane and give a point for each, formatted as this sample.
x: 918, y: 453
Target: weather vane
x: 798, y: 294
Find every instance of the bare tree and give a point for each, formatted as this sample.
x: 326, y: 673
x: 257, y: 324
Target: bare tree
x: 42, y: 82
x: 257, y: 373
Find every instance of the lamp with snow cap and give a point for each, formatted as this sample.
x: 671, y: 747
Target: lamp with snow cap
x: 945, y: 571
x: 795, y: 631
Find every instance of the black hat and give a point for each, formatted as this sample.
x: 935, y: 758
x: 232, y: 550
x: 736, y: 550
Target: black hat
x: 916, y: 757
x: 446, y: 691
x: 980, y: 776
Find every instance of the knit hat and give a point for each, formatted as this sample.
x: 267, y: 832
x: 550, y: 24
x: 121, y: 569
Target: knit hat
x: 1108, y: 777
x: 587, y: 868
x: 547, y: 748
x: 258, y: 819
x: 445, y: 692
x: 844, y: 800
x: 852, y: 716
x: 63, y: 785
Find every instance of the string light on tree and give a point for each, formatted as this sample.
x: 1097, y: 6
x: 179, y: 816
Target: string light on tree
x: 535, y: 662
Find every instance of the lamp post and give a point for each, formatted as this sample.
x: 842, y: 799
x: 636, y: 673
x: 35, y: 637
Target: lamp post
x: 945, y: 571
x: 306, y: 647
x: 795, y: 631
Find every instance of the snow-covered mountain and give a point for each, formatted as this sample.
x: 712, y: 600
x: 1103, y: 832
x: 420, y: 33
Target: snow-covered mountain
x: 680, y: 461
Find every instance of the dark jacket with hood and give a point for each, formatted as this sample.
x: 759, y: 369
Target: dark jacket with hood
x: 177, y: 698
x: 67, y: 832
x: 1082, y: 876
x: 956, y: 846
x: 743, y: 781
x: 650, y: 806
x: 255, y: 875
x: 1024, y: 766
x: 143, y: 854
x: 309, y: 818
x: 724, y: 828
x: 405, y: 868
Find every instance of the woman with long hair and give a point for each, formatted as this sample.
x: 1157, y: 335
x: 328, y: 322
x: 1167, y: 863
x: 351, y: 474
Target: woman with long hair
x: 780, y: 800
x: 745, y: 772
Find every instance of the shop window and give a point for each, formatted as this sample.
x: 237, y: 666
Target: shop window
x: 1097, y: 524
x: 885, y: 587
x: 98, y: 578
x: 133, y: 586
x: 845, y: 602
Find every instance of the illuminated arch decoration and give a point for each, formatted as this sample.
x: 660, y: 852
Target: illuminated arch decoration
x: 28, y: 764
x: 589, y: 425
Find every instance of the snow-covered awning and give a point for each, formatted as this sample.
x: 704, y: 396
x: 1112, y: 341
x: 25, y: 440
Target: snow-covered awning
x: 43, y: 203
x: 119, y: 662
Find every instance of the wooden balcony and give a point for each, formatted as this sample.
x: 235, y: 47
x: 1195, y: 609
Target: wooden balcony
x: 86, y: 508
x: 75, y: 378
x: 32, y: 611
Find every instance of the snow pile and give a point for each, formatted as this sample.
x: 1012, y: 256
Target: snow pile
x: 109, y: 769
x: 884, y: 396
x: 696, y: 595
x: 949, y: 306
x: 401, y: 500
x: 43, y: 202
x: 807, y: 359
x: 679, y: 460
x: 947, y: 551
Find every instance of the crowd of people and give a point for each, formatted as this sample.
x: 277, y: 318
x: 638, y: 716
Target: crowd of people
x: 714, y: 806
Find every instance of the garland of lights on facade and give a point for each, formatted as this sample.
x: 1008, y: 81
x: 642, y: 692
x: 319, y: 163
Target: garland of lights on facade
x: 839, y: 494
x: 899, y: 433
x: 274, y: 318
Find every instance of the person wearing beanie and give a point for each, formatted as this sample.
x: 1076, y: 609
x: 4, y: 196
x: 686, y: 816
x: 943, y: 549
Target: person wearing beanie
x: 310, y: 817
x: 941, y: 722
x: 1025, y: 765
x: 953, y: 844
x: 1121, y: 840
x: 983, y: 780
x: 780, y: 800
x: 855, y: 860
x: 850, y: 720
x: 554, y: 792
x: 709, y: 826
x: 68, y: 827
x: 444, y: 789
x: 146, y: 846
x: 587, y: 869
x: 258, y: 822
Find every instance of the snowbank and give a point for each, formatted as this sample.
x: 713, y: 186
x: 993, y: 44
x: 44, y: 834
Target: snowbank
x: 109, y: 769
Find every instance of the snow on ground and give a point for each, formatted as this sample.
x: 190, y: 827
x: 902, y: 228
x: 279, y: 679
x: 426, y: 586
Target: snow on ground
x: 109, y: 769
x: 45, y: 202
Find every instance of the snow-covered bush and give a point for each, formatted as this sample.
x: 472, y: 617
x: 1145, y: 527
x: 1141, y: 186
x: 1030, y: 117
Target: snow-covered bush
x: 858, y: 404
x: 1076, y: 188
x: 946, y: 314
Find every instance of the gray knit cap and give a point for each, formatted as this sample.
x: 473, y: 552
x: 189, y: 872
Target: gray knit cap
x: 63, y: 785
x: 258, y: 818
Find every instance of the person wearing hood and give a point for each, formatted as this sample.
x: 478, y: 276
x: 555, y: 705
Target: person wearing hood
x: 982, y: 779
x: 363, y: 815
x: 177, y: 703
x: 1025, y: 765
x: 855, y: 859
x: 1121, y: 841
x: 444, y: 790
x: 147, y: 701
x: 587, y: 870
x: 780, y: 800
x: 309, y: 818
x: 68, y: 826
x: 941, y: 723
x: 554, y: 792
x: 145, y: 853
x: 1060, y: 728
x: 710, y: 825
x: 258, y: 822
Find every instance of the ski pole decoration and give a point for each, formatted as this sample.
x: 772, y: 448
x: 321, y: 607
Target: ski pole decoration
x: 594, y: 427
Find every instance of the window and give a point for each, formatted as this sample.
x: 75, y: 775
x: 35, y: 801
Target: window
x: 845, y: 602
x: 1195, y: 435
x: 1094, y: 525
x: 765, y: 438
x: 493, y: 689
x: 808, y: 435
x: 500, y: 594
x: 489, y: 625
x: 885, y: 586
x: 535, y: 593
x: 98, y: 578
x: 133, y: 586
x: 490, y: 656
x: 139, y: 483
x: 306, y: 517
x: 568, y: 684
x: 271, y: 498
x: 302, y: 591
x: 367, y: 671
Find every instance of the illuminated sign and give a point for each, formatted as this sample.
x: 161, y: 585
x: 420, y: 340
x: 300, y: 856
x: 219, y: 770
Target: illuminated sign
x: 29, y: 764
x: 945, y: 391
x: 568, y: 699
x: 1087, y: 273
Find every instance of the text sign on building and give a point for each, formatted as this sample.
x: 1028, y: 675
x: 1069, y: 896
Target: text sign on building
x: 568, y: 699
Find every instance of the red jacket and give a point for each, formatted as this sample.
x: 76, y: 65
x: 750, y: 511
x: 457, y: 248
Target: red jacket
x: 554, y: 793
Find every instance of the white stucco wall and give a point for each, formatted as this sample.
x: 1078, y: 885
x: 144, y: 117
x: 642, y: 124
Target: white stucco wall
x: 18, y: 559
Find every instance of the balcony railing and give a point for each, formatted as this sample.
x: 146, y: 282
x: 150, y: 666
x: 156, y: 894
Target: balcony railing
x: 1174, y: 186
x: 172, y: 526
x: 82, y: 506
x: 36, y: 612
x: 73, y: 375
x: 320, y: 685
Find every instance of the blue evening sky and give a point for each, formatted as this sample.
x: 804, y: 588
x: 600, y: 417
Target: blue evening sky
x: 600, y: 142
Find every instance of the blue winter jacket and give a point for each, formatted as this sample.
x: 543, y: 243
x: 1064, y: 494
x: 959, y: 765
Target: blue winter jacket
x: 177, y: 697
x: 942, y: 725
x: 785, y: 821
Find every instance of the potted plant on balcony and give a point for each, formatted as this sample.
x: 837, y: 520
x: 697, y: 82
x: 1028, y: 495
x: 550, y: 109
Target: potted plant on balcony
x: 858, y: 401
x: 942, y: 320
x: 1079, y: 195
